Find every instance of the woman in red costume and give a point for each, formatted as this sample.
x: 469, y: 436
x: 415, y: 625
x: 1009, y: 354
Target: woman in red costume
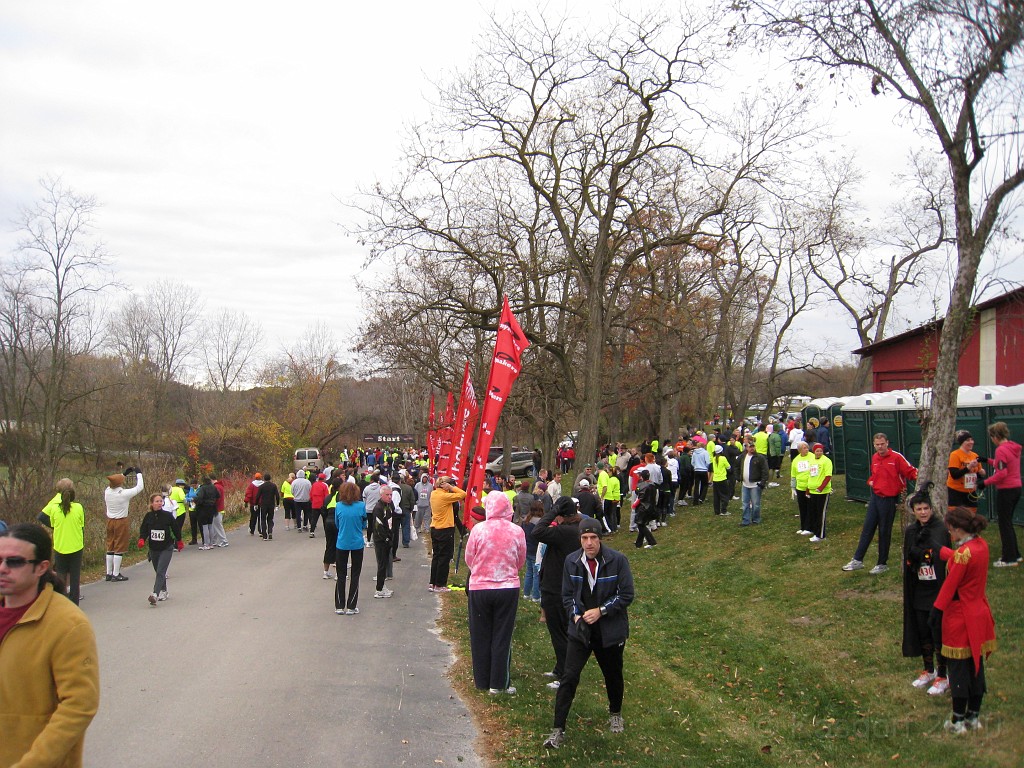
x: 968, y: 629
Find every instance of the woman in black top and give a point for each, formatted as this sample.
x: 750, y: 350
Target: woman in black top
x: 160, y: 532
x: 923, y: 574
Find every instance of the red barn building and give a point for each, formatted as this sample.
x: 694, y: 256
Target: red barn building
x: 994, y: 353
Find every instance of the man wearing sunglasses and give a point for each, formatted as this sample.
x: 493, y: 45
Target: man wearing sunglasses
x: 49, y: 673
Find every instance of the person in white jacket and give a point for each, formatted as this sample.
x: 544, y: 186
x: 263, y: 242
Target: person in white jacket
x: 117, y: 499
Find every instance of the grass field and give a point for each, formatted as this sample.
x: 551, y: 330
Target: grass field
x: 750, y: 647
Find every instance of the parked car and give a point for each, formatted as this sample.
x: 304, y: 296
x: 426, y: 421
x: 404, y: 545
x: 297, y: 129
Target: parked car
x: 308, y: 458
x: 522, y: 464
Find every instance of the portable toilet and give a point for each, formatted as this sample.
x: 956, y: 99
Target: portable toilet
x: 857, y: 444
x: 892, y: 412
x: 1006, y: 406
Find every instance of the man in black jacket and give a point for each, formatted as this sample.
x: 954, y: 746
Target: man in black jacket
x: 561, y: 540
x: 597, y: 588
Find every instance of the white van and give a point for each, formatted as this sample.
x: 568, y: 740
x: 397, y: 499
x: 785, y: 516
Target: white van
x: 308, y: 458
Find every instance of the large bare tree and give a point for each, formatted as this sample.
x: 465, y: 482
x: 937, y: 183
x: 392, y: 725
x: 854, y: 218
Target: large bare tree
x: 955, y: 67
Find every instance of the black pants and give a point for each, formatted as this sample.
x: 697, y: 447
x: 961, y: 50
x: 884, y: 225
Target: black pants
x: 492, y: 619
x: 700, y: 487
x: 443, y: 540
x: 817, y: 512
x: 312, y: 518
x: 330, y: 539
x: 341, y: 562
x: 289, y: 508
x: 576, y: 658
x: 558, y: 627
x: 179, y: 524
x: 1006, y: 503
x: 643, y: 534
x: 722, y: 494
x: 255, y: 522
x: 930, y: 639
x: 382, y: 548
x: 802, y: 504
x: 685, y: 483
x: 69, y: 567
x: 267, y: 520
x: 303, y: 510
x: 193, y: 524
x: 611, y: 514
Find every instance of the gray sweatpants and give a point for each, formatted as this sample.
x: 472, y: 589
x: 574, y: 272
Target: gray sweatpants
x: 161, y: 561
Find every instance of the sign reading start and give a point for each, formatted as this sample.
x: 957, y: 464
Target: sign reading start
x: 399, y: 439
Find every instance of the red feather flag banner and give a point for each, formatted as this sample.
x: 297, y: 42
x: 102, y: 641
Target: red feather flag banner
x: 465, y: 420
x: 505, y: 367
x: 431, y: 439
x: 446, y: 437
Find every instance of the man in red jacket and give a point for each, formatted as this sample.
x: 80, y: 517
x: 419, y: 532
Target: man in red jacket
x: 318, y: 493
x: 890, y: 472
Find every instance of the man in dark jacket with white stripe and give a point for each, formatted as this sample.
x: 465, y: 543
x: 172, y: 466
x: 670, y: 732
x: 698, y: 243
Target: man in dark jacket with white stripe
x: 597, y: 588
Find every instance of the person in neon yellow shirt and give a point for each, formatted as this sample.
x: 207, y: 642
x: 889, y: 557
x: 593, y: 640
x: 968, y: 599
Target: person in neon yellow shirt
x: 177, y: 495
x: 819, y: 488
x: 288, y: 502
x: 799, y: 470
x: 67, y: 519
x: 720, y: 481
x: 612, y: 499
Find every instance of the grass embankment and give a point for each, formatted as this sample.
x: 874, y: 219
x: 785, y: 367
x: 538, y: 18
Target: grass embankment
x: 750, y: 647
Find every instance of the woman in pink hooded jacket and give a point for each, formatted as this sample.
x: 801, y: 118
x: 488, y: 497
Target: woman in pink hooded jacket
x: 1006, y: 479
x: 495, y: 552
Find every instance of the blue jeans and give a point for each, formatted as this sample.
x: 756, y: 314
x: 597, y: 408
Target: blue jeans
x: 406, y: 528
x: 880, y: 515
x: 751, y: 504
x: 531, y: 579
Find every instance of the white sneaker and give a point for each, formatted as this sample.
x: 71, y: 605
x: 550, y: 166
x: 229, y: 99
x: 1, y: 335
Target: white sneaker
x: 879, y: 569
x: 1004, y: 564
x: 379, y: 594
x: 511, y: 691
x: 853, y: 565
x: 773, y: 485
x: 554, y: 741
x: 616, y: 724
x: 554, y: 685
x: 340, y: 611
x: 327, y: 575
x: 162, y: 595
x: 351, y: 611
x: 925, y: 678
x: 815, y: 538
x: 939, y: 687
x: 957, y: 729
x: 806, y: 533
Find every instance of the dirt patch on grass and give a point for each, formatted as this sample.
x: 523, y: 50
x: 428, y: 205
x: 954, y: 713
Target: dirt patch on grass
x: 884, y: 596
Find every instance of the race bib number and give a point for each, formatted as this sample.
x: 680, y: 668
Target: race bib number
x: 971, y: 481
x: 423, y: 495
x: 801, y: 466
x: 926, y: 573
x: 814, y: 471
x: 157, y: 535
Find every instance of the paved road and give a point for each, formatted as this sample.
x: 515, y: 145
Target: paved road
x: 248, y: 665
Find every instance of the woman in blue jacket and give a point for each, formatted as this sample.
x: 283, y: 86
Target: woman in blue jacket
x: 350, y: 517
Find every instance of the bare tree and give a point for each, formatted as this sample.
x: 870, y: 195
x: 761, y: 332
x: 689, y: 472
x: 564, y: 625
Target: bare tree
x: 955, y: 66
x: 46, y: 325
x: 229, y: 345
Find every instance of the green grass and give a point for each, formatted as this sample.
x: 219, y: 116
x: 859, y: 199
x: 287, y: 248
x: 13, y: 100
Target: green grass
x: 750, y: 647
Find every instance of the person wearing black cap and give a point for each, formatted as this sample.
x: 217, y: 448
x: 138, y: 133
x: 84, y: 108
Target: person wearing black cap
x: 559, y: 529
x: 597, y: 589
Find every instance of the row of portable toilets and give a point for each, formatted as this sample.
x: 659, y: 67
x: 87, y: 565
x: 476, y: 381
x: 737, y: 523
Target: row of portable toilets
x: 855, y: 420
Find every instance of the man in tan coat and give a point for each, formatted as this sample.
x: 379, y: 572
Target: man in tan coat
x: 49, y: 668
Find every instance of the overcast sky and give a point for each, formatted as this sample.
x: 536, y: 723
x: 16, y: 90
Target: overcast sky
x: 219, y: 137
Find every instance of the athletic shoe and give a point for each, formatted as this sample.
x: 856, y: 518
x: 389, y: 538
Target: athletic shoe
x: 648, y: 546
x: 815, y: 538
x: 162, y: 596
x: 681, y: 503
x: 495, y: 691
x: 554, y: 741
x: 152, y: 599
x: 1004, y: 564
x: 110, y: 577
x: 396, y: 560
x: 939, y: 687
x: 388, y: 592
x: 555, y: 685
x: 735, y: 498
x: 973, y: 723
x: 615, y: 723
x: 312, y: 535
x: 441, y: 589
x: 204, y: 548
x: 925, y: 678
x: 430, y: 588
x: 957, y: 729
x: 773, y: 485
x: 339, y: 611
x: 271, y: 537
x: 880, y: 568
x: 549, y: 674
x: 327, y: 575
x: 853, y: 565
x: 351, y: 611
x: 222, y: 544
x: 379, y: 594
x: 119, y: 577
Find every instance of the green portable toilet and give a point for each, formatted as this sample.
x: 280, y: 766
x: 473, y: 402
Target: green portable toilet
x: 888, y: 414
x: 1006, y: 406
x: 830, y: 408
x: 857, y: 444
